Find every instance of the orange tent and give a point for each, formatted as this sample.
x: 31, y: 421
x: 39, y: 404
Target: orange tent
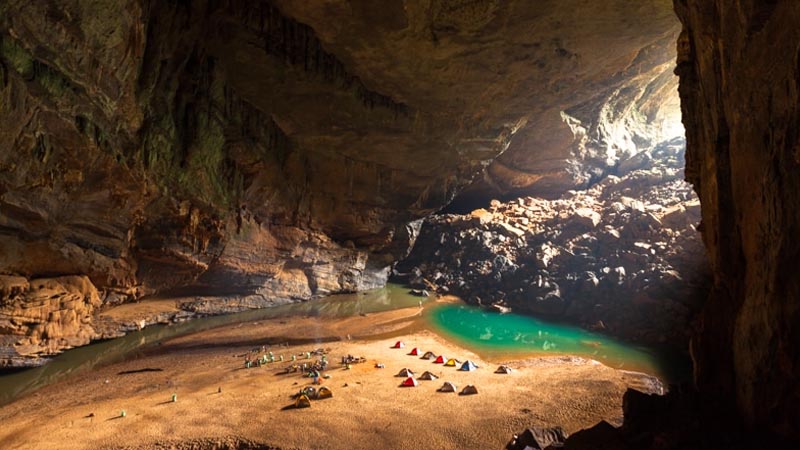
x: 410, y: 382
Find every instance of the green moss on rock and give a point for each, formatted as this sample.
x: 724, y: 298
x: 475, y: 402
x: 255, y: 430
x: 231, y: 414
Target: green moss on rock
x: 17, y: 57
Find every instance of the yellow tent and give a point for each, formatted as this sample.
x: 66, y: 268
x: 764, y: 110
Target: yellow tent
x: 451, y: 362
x: 324, y: 392
x: 302, y: 402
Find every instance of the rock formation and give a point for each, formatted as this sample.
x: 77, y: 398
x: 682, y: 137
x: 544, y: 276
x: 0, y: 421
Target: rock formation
x: 51, y: 314
x: 623, y: 257
x: 277, y: 150
x: 273, y: 151
x: 740, y: 92
x: 740, y: 97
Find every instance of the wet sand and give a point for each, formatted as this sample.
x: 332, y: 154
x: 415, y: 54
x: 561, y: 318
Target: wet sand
x: 368, y: 410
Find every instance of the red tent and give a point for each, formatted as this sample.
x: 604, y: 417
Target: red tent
x: 440, y: 360
x: 399, y: 344
x: 410, y: 382
x: 414, y: 352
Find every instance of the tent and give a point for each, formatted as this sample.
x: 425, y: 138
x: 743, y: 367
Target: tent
x: 448, y: 387
x: 468, y: 366
x: 414, y: 352
x: 439, y: 360
x: 451, y: 362
x: 399, y: 344
x: 324, y: 392
x: 503, y: 369
x: 469, y: 390
x: 429, y: 355
x: 410, y: 382
x: 405, y: 373
x: 308, y: 391
x: 302, y: 402
x: 428, y: 376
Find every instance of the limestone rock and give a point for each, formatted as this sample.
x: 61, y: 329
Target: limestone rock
x: 586, y: 218
x: 738, y: 85
x: 592, y: 256
x: 44, y: 316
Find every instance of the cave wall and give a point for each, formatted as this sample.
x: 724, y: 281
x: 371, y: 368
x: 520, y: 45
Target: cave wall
x: 739, y: 70
x: 280, y: 150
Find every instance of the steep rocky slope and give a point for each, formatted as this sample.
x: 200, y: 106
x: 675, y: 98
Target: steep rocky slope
x: 740, y: 89
x: 273, y: 151
x: 623, y: 257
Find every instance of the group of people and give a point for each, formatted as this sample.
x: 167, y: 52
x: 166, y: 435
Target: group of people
x: 260, y: 356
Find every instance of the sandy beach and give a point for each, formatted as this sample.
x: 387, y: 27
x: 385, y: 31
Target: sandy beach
x: 368, y: 409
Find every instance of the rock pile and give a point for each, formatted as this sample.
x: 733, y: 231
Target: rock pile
x: 623, y: 256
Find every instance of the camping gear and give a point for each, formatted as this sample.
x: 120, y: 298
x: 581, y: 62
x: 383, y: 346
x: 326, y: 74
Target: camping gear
x: 468, y: 366
x: 302, y: 401
x: 309, y: 391
x: 429, y: 355
x: 409, y: 382
x: 440, y: 360
x: 405, y: 373
x: 503, y: 369
x: 399, y: 344
x: 324, y: 392
x: 448, y: 387
x: 452, y: 362
x: 469, y: 390
x: 428, y: 376
x: 414, y: 352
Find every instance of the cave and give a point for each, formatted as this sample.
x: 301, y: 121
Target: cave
x: 175, y: 175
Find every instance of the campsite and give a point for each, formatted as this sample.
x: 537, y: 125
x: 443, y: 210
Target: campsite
x: 211, y: 380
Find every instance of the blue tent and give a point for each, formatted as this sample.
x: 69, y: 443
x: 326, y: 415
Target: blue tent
x: 468, y: 366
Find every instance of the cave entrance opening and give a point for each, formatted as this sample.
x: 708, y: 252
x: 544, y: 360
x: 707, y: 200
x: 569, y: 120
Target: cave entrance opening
x: 605, y: 238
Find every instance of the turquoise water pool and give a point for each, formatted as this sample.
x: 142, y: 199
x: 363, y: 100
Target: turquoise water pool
x: 499, y: 335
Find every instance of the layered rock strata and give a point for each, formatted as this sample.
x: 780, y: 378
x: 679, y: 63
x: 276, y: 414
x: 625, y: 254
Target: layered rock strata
x: 623, y: 257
